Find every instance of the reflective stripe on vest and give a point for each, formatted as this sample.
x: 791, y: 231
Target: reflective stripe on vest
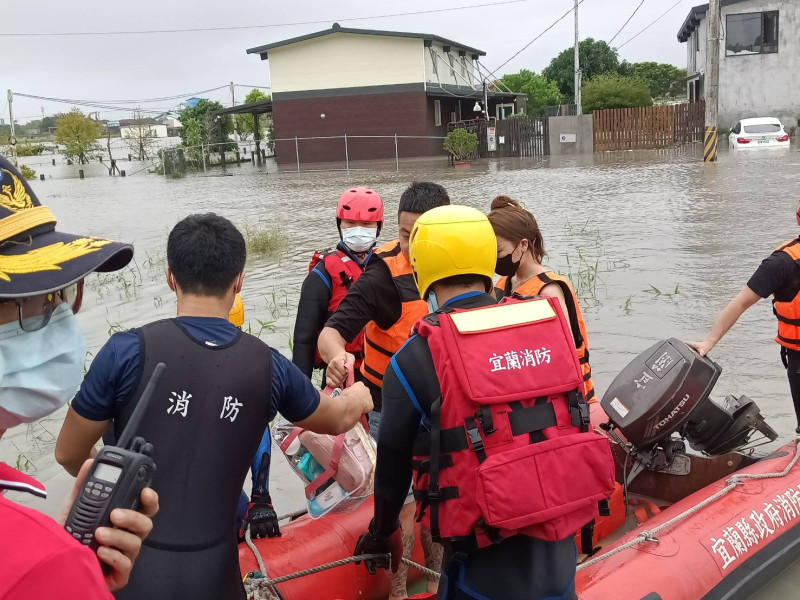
x: 788, y: 313
x: 381, y: 344
x: 343, y: 271
x: 509, y: 451
x: 533, y: 287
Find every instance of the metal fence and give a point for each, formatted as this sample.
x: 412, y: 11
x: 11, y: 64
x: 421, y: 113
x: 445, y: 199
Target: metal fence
x: 560, y: 110
x: 523, y: 136
x: 298, y: 154
x: 346, y: 152
x: 179, y: 160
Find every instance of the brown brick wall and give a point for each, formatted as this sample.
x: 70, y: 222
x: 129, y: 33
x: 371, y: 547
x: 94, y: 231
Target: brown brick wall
x: 401, y: 113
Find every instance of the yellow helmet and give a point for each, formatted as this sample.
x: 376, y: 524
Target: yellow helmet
x: 451, y: 240
x: 236, y: 316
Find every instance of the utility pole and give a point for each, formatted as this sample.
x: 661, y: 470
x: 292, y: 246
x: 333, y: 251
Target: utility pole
x: 711, y: 82
x: 233, y: 103
x: 577, y: 64
x: 13, y: 139
x: 485, y: 100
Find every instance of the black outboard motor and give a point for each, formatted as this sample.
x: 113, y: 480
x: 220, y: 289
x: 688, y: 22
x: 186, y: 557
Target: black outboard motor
x: 665, y: 390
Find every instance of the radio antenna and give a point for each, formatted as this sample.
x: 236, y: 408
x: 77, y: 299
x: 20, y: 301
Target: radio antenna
x: 141, y: 407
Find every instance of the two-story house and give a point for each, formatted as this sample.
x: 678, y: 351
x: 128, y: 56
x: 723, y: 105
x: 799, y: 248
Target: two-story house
x: 759, y: 63
x: 364, y: 82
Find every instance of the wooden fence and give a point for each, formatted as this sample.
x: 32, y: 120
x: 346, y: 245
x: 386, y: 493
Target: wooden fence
x: 648, y: 126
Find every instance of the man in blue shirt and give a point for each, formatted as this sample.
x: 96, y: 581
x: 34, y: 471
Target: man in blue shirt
x: 219, y: 392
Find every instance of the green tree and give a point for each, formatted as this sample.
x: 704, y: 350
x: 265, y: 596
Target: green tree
x: 541, y: 92
x: 614, y: 91
x: 200, y: 126
x: 78, y: 134
x: 663, y: 79
x: 596, y: 58
x: 245, y: 123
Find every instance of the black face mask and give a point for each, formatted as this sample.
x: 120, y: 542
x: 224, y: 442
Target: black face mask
x: 506, y: 266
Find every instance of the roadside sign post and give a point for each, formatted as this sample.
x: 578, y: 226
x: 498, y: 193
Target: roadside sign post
x: 712, y: 82
x: 13, y: 139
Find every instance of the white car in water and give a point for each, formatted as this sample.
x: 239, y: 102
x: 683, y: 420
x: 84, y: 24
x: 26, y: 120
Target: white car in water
x: 762, y: 132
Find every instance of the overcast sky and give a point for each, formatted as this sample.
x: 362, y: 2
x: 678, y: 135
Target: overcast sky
x: 111, y: 67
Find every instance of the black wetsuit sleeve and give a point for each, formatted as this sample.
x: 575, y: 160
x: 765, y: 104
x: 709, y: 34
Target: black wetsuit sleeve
x: 374, y: 297
x: 772, y: 274
x: 312, y: 312
x: 409, y: 386
x: 395, y: 449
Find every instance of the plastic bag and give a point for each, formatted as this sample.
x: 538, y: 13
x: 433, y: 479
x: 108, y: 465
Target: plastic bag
x: 337, y: 471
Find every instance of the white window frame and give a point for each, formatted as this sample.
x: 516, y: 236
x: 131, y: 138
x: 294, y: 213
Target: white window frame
x: 500, y: 113
x: 437, y: 113
x: 452, y: 66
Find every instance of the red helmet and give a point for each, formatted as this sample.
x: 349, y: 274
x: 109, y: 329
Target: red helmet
x: 360, y: 204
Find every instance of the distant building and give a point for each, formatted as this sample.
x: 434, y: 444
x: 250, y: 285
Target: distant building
x: 129, y: 127
x: 759, y: 59
x: 364, y: 82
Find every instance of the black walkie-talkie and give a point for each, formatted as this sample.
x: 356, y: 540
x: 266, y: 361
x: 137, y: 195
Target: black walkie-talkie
x: 117, y: 476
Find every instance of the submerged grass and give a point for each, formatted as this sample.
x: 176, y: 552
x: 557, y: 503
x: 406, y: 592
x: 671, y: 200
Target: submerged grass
x: 263, y: 241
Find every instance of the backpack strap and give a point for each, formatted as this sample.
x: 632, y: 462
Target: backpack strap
x: 433, y: 482
x: 331, y: 469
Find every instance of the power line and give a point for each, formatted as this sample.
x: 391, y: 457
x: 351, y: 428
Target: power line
x: 272, y: 25
x: 260, y: 87
x: 129, y: 101
x: 526, y: 46
x: 497, y: 80
x: 626, y: 22
x: 664, y: 14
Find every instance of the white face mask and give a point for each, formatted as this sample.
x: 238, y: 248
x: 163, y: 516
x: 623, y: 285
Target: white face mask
x: 433, y: 302
x: 359, y: 239
x: 39, y: 371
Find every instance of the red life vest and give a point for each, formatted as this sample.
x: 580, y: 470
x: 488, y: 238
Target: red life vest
x: 509, y: 450
x: 343, y: 271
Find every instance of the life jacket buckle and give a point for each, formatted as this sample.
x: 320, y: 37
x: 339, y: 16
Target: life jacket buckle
x: 484, y: 417
x: 580, y: 415
x: 474, y: 436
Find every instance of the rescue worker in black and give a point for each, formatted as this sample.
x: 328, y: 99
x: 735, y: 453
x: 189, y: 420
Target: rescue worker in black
x: 518, y: 568
x: 359, y: 219
x: 384, y: 304
x: 219, y: 392
x: 778, y: 276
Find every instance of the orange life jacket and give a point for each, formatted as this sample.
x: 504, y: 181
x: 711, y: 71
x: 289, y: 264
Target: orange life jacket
x: 788, y: 313
x: 381, y: 344
x: 533, y: 287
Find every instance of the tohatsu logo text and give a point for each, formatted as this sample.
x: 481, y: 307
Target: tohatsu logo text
x: 671, y: 414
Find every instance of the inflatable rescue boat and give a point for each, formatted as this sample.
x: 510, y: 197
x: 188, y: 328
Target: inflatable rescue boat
x: 716, y: 523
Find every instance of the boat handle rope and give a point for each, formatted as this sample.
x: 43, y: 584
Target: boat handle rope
x: 263, y: 588
x: 734, y: 481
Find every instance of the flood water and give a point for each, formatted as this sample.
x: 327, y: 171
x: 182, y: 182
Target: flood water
x: 672, y: 241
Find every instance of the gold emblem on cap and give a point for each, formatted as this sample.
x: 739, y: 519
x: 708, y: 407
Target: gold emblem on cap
x: 14, y: 197
x: 47, y: 258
